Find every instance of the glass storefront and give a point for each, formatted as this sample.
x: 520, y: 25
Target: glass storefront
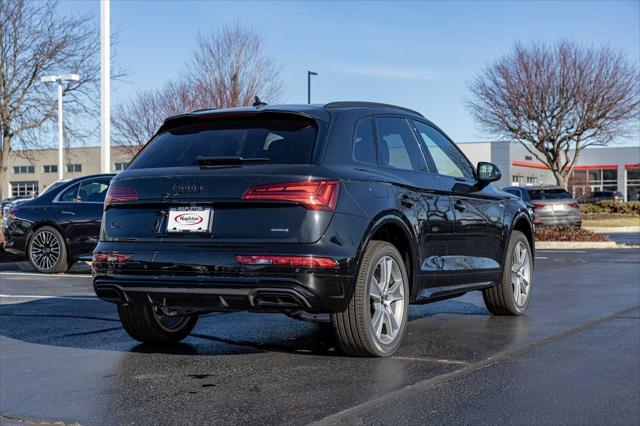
x: 633, y: 184
x: 24, y: 189
x: 584, y: 182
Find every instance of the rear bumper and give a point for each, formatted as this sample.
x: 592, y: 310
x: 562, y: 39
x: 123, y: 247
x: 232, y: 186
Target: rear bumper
x: 282, y: 294
x: 557, y: 220
x: 211, y: 279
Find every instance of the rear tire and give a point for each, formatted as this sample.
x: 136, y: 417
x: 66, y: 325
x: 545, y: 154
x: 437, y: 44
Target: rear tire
x: 47, y: 251
x: 512, y: 294
x: 375, y: 321
x: 142, y: 323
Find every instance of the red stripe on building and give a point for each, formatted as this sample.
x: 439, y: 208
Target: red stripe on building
x: 632, y: 166
x: 589, y: 167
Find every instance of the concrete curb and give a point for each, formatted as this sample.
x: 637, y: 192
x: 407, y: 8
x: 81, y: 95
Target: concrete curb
x: 614, y: 229
x: 541, y: 245
x: 16, y: 266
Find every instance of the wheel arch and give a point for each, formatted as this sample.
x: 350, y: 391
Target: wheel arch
x: 391, y: 227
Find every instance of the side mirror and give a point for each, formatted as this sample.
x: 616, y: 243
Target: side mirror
x: 488, y: 172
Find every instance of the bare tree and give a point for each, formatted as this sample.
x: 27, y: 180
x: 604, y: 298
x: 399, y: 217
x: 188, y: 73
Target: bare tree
x: 35, y: 41
x: 227, y: 69
x: 557, y: 100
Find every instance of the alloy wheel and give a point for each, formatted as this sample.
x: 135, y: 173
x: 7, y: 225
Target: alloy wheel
x: 521, y: 274
x: 170, y: 323
x: 386, y: 295
x: 45, y: 250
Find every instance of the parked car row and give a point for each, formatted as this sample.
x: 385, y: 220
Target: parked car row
x: 59, y: 226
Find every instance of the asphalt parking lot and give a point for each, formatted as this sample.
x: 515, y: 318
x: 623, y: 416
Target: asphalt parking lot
x: 574, y: 358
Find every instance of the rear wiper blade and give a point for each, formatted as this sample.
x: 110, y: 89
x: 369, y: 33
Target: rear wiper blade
x: 204, y: 161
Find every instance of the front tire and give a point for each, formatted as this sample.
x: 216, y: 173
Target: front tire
x: 512, y: 294
x: 144, y: 324
x: 375, y: 321
x: 47, y: 251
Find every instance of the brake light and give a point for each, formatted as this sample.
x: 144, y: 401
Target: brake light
x: 539, y: 206
x: 574, y: 205
x: 300, y: 261
x: 118, y: 193
x: 313, y: 194
x: 111, y: 257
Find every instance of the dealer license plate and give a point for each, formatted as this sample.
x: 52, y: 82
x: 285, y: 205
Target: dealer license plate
x: 190, y: 220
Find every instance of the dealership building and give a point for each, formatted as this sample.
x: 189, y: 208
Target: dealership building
x: 598, y: 169
x: 613, y: 168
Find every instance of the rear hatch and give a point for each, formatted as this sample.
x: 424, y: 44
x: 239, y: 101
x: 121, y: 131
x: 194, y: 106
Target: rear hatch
x: 236, y: 179
x: 553, y: 201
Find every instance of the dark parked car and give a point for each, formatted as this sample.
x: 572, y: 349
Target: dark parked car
x: 351, y: 209
x: 604, y: 196
x: 552, y: 205
x: 58, y: 227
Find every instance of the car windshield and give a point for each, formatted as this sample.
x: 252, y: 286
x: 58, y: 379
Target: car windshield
x: 549, y: 194
x: 273, y: 138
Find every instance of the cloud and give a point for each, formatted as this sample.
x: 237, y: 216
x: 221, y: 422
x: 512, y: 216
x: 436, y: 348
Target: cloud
x: 391, y: 72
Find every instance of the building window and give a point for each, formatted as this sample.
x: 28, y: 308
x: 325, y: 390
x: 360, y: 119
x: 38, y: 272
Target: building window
x: 633, y: 184
x: 583, y: 182
x: 517, y: 180
x: 22, y: 170
x: 119, y: 166
x: 532, y: 180
x: 50, y: 168
x: 24, y: 189
x: 74, y: 168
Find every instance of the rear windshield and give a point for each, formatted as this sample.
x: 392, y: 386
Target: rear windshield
x: 549, y: 194
x: 281, y: 140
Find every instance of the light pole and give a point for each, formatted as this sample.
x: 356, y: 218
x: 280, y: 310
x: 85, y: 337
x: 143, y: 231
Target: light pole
x: 59, y: 79
x: 105, y: 88
x: 309, y: 74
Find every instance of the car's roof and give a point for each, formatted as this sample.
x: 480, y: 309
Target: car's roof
x: 317, y: 111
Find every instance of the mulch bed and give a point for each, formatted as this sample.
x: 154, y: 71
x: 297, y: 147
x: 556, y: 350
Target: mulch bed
x: 567, y: 233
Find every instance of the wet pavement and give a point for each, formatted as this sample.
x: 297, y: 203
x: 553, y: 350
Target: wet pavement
x: 574, y: 358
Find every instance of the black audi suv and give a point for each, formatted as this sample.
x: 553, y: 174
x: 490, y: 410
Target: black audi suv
x: 60, y: 226
x: 351, y: 209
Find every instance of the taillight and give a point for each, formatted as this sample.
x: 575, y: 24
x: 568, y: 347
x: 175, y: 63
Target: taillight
x: 574, y: 205
x: 119, y: 193
x: 313, y: 194
x: 300, y: 261
x: 539, y: 206
x: 111, y: 257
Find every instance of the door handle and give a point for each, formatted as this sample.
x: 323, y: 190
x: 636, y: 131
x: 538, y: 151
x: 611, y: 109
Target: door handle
x: 68, y: 212
x: 459, y: 205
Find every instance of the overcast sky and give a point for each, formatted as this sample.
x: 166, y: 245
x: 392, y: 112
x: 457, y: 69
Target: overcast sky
x: 415, y: 54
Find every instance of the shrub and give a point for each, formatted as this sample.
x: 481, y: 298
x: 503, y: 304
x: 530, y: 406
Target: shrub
x: 567, y: 233
x: 614, y: 207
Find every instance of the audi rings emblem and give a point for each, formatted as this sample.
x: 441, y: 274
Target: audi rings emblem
x: 187, y: 188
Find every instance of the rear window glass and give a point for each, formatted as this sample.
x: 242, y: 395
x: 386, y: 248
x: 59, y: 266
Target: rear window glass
x: 549, y: 194
x: 281, y: 140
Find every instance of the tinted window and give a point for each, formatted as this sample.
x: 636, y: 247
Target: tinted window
x: 397, y: 147
x: 93, y: 191
x: 447, y: 158
x: 549, y: 194
x: 363, y: 146
x: 70, y: 194
x: 281, y: 139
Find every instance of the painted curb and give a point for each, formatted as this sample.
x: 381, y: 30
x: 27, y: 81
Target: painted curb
x: 614, y: 229
x: 541, y: 245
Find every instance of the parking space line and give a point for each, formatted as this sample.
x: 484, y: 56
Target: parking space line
x: 35, y: 274
x: 561, y: 251
x: 33, y: 296
x: 541, y: 257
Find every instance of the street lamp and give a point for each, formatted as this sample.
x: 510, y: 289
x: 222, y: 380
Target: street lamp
x: 309, y: 74
x: 59, y: 79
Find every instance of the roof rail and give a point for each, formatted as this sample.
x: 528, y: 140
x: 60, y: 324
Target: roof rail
x: 356, y: 104
x: 202, y: 110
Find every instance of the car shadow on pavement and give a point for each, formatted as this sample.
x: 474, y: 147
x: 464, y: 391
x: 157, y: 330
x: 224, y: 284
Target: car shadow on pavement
x: 92, y: 324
